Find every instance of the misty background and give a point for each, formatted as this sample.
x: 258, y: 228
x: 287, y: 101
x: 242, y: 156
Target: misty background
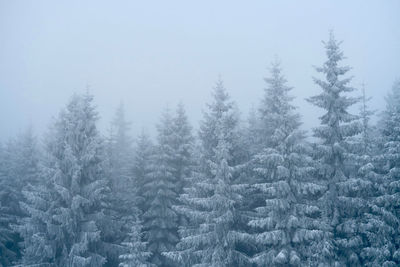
x: 153, y: 54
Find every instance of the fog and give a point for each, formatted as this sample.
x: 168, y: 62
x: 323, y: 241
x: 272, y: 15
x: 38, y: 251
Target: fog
x: 153, y: 54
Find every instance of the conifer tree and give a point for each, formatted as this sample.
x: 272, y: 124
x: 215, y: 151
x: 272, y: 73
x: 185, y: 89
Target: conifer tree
x: 120, y: 149
x: 160, y: 220
x: 136, y: 255
x: 182, y: 144
x: 142, y: 169
x: 123, y: 195
x: 65, y: 213
x: 20, y: 167
x: 388, y: 203
x: 8, y: 238
x: 171, y: 165
x: 211, y: 198
x: 221, y: 106
x: 363, y: 230
x: 337, y: 128
x: 289, y: 229
x: 214, y: 212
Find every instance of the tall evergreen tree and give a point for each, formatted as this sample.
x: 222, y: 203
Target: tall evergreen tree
x: 123, y: 196
x: 142, y: 170
x: 120, y: 148
x: 63, y: 227
x: 160, y: 220
x: 338, y: 126
x: 388, y: 202
x: 211, y: 198
x: 136, y: 255
x: 221, y: 106
x: 172, y: 164
x: 182, y: 144
x: 289, y: 229
x: 362, y: 226
x: 8, y: 239
x: 20, y: 166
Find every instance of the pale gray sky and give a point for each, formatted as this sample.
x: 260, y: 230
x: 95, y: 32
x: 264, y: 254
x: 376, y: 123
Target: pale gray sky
x: 153, y: 53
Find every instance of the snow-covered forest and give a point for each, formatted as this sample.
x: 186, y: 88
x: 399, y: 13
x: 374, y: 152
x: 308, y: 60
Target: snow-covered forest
x: 252, y: 190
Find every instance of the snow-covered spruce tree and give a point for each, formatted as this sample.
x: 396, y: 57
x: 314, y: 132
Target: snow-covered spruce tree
x: 142, y: 169
x: 271, y: 102
x: 41, y: 237
x: 210, y: 198
x: 212, y: 242
x: 288, y: 226
x: 8, y: 239
x: 120, y: 149
x: 171, y: 165
x: 160, y: 221
x: 221, y: 106
x: 25, y: 158
x: 19, y: 167
x: 182, y: 144
x: 122, y: 198
x: 136, y: 254
x: 252, y: 197
x: 366, y: 227
x: 64, y: 214
x: 338, y: 126
x: 362, y: 230
x: 388, y: 202
x: 376, y: 226
x: 363, y: 145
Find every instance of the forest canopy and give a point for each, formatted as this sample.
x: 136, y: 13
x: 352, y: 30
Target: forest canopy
x: 232, y: 192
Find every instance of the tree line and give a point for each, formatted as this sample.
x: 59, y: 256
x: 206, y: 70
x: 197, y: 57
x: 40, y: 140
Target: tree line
x: 233, y: 193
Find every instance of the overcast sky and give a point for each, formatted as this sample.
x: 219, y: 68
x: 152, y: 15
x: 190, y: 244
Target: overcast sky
x: 151, y: 54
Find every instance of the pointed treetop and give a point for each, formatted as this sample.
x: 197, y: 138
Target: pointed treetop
x: 180, y: 110
x: 220, y: 93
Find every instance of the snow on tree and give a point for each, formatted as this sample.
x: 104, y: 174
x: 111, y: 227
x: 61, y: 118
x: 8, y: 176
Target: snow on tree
x: 64, y: 214
x: 123, y: 196
x: 276, y: 99
x: 160, y: 221
x: 212, y: 242
x: 288, y: 226
x: 162, y: 180
x: 337, y: 128
x: 374, y: 224
x: 359, y: 216
x: 20, y: 166
x: 210, y: 199
x: 41, y: 238
x: 387, y: 244
x: 221, y: 106
x: 8, y: 239
x: 120, y: 148
x: 368, y: 221
x: 182, y: 144
x: 136, y: 255
x: 142, y: 169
